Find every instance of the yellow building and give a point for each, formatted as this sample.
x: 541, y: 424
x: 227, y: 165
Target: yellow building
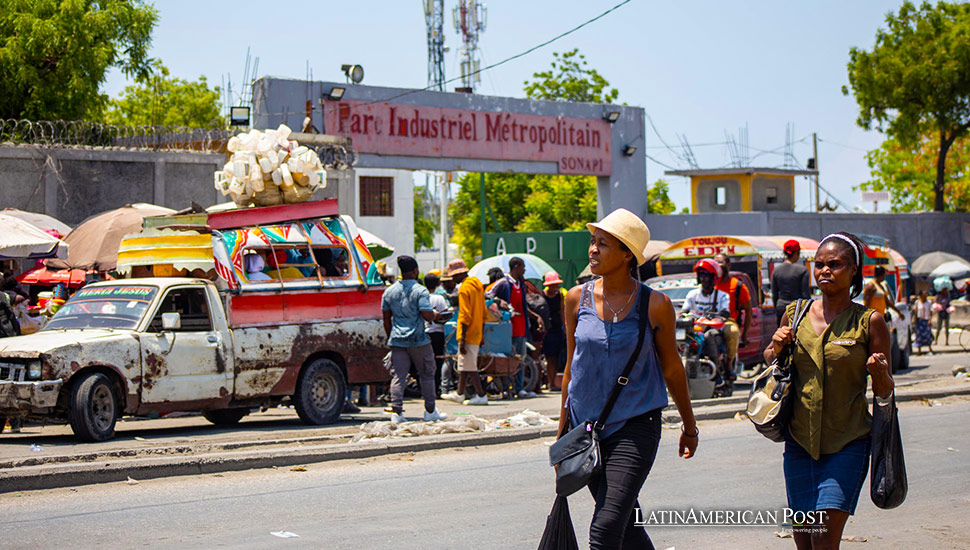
x: 742, y: 189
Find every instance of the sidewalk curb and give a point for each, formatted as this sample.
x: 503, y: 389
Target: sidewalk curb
x: 67, y: 475
x: 51, y: 476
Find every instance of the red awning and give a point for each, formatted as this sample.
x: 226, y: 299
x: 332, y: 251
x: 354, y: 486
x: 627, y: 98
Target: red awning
x: 74, y: 278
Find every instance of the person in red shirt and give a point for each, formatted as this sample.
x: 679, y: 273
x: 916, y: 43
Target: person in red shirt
x: 740, y: 300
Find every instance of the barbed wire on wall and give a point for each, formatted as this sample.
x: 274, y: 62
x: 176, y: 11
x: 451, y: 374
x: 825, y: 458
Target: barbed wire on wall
x: 79, y: 134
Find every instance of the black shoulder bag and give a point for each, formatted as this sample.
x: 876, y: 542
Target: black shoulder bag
x: 578, y: 451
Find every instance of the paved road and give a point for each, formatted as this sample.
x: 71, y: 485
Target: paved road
x: 489, y: 497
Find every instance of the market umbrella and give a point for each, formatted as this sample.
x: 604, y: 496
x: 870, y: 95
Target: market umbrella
x: 954, y: 269
x: 379, y: 249
x: 19, y: 239
x: 40, y: 221
x: 925, y: 264
x: 94, y: 243
x: 535, y: 267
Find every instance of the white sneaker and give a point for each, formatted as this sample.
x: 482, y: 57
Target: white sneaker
x: 526, y: 394
x: 453, y: 396
x: 434, y: 416
x: 477, y: 400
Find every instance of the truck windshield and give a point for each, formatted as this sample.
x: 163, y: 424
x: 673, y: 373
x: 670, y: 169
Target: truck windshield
x: 104, y: 307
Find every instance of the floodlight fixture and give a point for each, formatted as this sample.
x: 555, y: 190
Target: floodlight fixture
x: 354, y: 73
x: 611, y: 116
x: 336, y: 93
x: 239, y: 116
x: 629, y: 150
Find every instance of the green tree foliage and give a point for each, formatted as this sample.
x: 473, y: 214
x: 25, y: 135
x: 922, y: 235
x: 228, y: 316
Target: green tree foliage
x: 908, y: 173
x: 161, y: 100
x: 916, y: 80
x: 55, y: 54
x: 570, y: 79
x: 424, y: 228
x: 658, y: 198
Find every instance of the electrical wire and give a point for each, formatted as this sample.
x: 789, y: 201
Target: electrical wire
x: 669, y: 167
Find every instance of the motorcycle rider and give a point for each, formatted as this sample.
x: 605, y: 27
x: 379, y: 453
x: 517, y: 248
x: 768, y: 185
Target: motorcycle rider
x: 706, y: 299
x: 709, y: 300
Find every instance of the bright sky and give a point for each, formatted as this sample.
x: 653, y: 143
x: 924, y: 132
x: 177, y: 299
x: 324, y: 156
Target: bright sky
x: 699, y: 68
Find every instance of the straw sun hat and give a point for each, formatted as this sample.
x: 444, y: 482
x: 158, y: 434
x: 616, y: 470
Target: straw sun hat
x: 628, y: 228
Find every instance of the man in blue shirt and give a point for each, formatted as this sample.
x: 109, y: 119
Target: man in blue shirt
x: 406, y: 306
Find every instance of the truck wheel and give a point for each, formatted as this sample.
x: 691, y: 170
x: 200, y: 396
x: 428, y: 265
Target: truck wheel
x: 93, y: 408
x: 320, y: 392
x: 225, y: 417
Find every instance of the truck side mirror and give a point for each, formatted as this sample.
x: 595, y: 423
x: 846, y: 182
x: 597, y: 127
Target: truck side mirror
x: 171, y: 321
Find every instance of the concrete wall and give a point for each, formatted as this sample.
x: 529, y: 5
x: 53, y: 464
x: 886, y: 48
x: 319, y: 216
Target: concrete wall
x: 397, y: 230
x: 73, y: 184
x: 911, y: 234
x: 277, y: 101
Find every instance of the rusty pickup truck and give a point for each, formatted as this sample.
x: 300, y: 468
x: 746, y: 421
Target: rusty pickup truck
x: 297, y: 331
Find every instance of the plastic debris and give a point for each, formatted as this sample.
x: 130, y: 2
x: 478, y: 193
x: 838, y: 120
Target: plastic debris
x: 783, y: 534
x: 267, y: 168
x: 140, y: 438
x: 131, y: 481
x: 952, y: 450
x: 380, y: 430
x: 853, y: 538
x: 284, y: 534
x: 36, y: 448
x: 298, y: 469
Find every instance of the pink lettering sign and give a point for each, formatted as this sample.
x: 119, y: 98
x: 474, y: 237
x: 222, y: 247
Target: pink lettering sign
x: 576, y: 145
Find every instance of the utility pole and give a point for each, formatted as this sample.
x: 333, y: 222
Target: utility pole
x: 469, y: 17
x: 434, y: 17
x: 818, y: 204
x: 443, y: 218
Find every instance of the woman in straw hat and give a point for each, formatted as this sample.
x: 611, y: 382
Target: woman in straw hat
x: 602, y: 326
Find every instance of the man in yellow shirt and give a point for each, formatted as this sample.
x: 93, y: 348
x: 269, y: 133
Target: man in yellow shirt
x: 471, y: 327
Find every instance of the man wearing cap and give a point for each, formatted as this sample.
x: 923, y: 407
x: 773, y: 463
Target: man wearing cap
x: 471, y: 329
x: 789, y: 281
x: 406, y: 307
x: 511, y: 289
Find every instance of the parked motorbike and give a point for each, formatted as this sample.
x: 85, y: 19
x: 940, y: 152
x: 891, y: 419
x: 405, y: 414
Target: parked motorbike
x: 700, y: 341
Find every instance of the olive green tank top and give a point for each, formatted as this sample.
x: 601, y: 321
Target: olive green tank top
x: 829, y: 402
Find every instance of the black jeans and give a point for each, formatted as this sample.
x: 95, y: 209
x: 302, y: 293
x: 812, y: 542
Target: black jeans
x: 438, y: 345
x: 628, y: 456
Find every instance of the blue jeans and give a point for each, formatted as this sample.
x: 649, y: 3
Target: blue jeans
x: 519, y: 348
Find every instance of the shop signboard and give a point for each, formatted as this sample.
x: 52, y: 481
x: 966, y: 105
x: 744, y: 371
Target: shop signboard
x: 566, y: 251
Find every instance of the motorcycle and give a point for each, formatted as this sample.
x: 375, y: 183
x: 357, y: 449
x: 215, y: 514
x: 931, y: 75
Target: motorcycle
x: 700, y: 342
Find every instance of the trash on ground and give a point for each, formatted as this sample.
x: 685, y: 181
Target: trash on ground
x: 740, y: 416
x: 952, y: 450
x: 783, y: 534
x: 36, y: 448
x: 140, y: 438
x: 298, y: 469
x: 853, y: 538
x: 131, y: 481
x: 380, y: 430
x: 958, y: 370
x: 284, y: 534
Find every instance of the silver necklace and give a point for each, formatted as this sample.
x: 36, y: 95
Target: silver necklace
x: 616, y: 313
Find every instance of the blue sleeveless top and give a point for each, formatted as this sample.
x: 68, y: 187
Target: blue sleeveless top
x: 602, y: 351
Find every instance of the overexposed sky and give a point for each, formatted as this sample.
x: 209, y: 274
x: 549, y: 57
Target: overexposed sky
x: 700, y: 69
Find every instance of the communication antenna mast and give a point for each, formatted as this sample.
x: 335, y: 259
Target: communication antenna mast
x: 434, y: 18
x: 470, y: 17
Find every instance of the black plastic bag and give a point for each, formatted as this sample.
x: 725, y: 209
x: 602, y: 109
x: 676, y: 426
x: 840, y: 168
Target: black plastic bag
x: 887, y: 477
x: 559, y: 533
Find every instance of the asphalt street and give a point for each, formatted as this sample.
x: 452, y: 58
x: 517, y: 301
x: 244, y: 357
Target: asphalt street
x: 488, y: 497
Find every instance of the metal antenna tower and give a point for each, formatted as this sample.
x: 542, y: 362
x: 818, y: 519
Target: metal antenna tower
x: 688, y: 152
x: 470, y: 18
x: 434, y: 18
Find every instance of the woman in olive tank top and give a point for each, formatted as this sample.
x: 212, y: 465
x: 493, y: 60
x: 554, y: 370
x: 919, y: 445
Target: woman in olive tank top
x: 838, y: 344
